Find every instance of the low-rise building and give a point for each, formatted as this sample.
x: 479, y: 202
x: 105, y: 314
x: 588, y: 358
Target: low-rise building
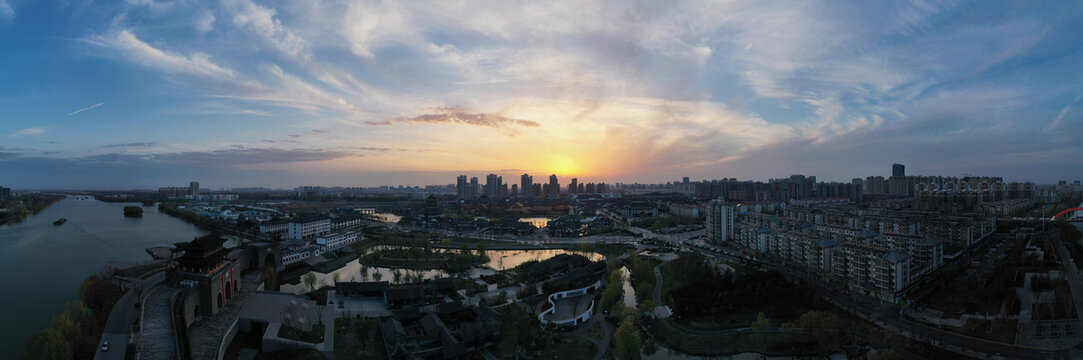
x: 333, y: 241
x: 272, y: 227
x: 308, y: 227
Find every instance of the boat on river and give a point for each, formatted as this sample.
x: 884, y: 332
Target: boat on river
x: 60, y: 221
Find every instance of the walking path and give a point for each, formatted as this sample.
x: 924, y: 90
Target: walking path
x: 601, y: 344
x: 157, y: 340
x: 206, y: 334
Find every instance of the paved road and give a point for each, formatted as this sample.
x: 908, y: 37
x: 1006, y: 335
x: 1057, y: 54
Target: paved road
x: 118, y: 327
x: 121, y: 317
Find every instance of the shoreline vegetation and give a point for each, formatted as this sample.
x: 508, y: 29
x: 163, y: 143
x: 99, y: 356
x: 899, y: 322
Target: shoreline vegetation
x: 26, y: 205
x: 76, y: 330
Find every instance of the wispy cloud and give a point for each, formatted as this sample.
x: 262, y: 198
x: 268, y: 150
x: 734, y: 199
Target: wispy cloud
x: 85, y: 109
x: 128, y: 145
x: 28, y: 132
x: 5, y: 10
x: 506, y: 125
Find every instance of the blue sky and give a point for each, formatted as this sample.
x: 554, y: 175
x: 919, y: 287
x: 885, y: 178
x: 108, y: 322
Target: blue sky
x: 359, y: 93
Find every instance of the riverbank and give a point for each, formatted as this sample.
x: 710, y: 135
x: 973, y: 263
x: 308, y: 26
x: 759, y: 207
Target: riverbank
x: 27, y: 205
x: 48, y: 263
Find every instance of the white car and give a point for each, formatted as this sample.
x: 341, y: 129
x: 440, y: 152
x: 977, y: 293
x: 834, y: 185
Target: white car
x: 105, y: 346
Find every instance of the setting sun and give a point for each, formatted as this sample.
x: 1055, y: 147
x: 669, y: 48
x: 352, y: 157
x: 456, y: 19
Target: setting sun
x: 563, y: 165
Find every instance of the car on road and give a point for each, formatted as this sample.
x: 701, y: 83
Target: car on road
x: 105, y: 346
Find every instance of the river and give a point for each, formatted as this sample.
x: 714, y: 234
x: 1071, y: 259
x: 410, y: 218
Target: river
x: 42, y: 265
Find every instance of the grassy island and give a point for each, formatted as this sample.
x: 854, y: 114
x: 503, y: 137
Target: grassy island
x: 133, y: 211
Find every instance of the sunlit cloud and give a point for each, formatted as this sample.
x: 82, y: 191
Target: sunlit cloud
x: 595, y: 89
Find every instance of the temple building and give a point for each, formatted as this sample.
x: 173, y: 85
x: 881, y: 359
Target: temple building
x: 210, y: 270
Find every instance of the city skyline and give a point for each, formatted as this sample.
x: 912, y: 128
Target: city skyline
x: 245, y: 93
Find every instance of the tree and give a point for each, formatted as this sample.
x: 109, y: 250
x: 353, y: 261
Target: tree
x: 310, y: 281
x: 335, y: 277
x: 647, y: 307
x: 627, y: 339
x: 48, y: 345
x: 482, y: 251
x: 761, y: 321
x: 270, y: 278
x: 364, y: 273
x: 612, y: 290
x: 70, y: 322
x: 883, y: 354
x: 377, y: 275
x: 133, y: 211
x: 824, y: 327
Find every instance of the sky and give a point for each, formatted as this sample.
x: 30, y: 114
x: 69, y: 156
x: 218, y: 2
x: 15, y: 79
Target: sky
x: 234, y: 93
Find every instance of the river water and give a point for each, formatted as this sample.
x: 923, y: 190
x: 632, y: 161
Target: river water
x: 42, y: 265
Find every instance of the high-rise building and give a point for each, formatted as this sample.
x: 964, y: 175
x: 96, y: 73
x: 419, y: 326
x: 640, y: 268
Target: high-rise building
x: 473, y: 188
x: 5, y: 193
x: 875, y: 185
x: 493, y: 187
x: 461, y: 187
x: 684, y: 180
x: 898, y: 170
x: 719, y: 220
x: 536, y: 189
x: 554, y: 187
x: 527, y: 184
x: 515, y: 190
x: 581, y: 189
x: 574, y: 186
x: 193, y: 188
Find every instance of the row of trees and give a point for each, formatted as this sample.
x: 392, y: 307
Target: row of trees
x: 76, y: 331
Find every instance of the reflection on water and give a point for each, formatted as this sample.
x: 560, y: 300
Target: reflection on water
x: 43, y: 264
x: 538, y: 222
x: 629, y: 293
x: 498, y: 260
x: 667, y: 353
x: 386, y: 217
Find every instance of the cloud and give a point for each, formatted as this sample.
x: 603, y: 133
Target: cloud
x: 28, y: 132
x: 504, y: 124
x: 261, y: 21
x: 5, y: 10
x: 131, y: 47
x: 238, y: 155
x: 205, y: 22
x: 85, y: 109
x: 134, y: 144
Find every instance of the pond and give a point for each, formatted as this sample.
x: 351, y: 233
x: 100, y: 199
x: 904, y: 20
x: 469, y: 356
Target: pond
x: 387, y: 217
x: 538, y: 222
x: 663, y: 352
x: 499, y: 259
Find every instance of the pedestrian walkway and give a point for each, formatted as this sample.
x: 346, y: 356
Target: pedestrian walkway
x: 206, y: 334
x: 157, y: 340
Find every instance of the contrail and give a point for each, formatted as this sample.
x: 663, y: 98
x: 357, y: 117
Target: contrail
x: 85, y: 109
